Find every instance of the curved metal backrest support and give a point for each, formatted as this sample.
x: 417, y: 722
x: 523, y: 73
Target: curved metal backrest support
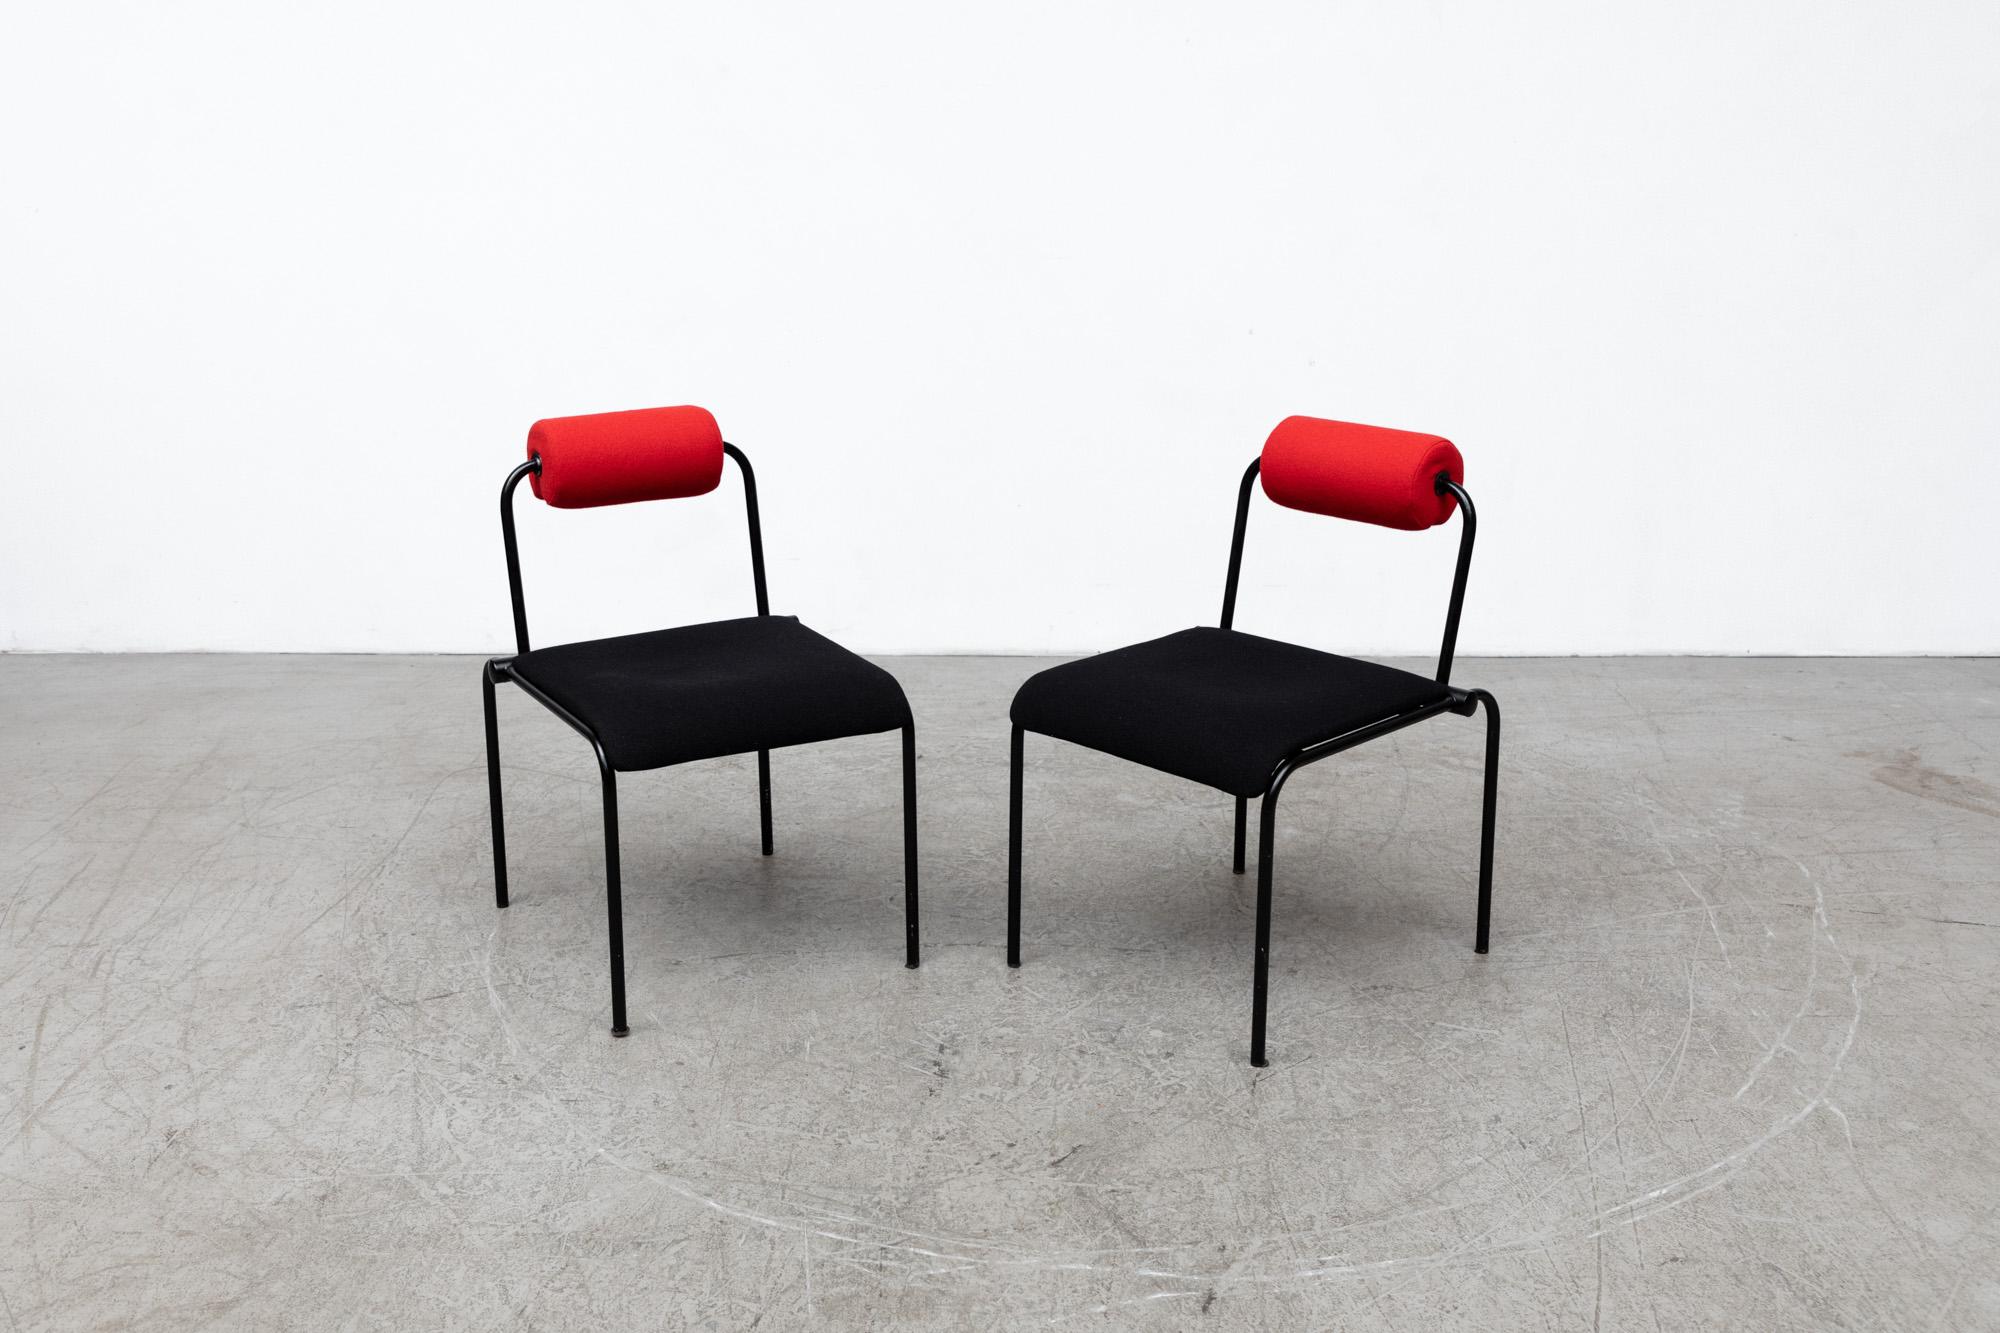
x: 1468, y: 527
x: 529, y: 468
x: 756, y: 528
x: 1445, y: 486
x: 533, y: 465
x: 1236, y: 541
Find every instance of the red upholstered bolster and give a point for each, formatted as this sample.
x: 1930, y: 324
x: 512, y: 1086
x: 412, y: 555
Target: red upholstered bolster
x: 609, y: 458
x: 1367, y: 473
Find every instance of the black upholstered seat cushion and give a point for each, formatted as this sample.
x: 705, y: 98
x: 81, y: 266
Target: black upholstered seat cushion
x: 699, y: 691
x: 1214, y: 705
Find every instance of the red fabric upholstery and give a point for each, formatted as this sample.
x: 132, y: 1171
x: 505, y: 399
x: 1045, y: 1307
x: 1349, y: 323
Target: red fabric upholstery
x: 1368, y: 473
x: 609, y: 458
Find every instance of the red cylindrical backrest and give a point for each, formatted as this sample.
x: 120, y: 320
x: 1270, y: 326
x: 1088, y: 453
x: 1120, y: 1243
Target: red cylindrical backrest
x: 1368, y: 473
x: 609, y: 458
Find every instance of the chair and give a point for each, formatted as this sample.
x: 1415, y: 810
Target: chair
x: 1242, y: 713
x: 645, y: 701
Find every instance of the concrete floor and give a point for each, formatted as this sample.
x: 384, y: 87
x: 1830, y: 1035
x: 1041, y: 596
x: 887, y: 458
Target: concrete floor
x: 272, y: 1059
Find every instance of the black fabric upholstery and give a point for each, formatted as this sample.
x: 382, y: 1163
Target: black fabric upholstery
x: 700, y: 691
x: 1213, y: 705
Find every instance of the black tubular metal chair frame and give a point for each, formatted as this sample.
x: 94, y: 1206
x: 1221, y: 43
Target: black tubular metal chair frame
x: 1460, y: 701
x: 498, y: 669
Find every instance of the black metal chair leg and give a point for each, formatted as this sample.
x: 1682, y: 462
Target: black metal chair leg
x: 910, y: 845
x: 1260, y: 986
x: 764, y: 797
x: 1486, y: 817
x: 1242, y: 818
x: 613, y: 901
x: 493, y: 786
x: 1014, y: 854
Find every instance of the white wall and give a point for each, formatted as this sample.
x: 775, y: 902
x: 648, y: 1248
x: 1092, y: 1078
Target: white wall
x: 1001, y: 302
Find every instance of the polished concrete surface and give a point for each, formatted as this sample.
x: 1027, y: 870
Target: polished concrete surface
x: 272, y: 1059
